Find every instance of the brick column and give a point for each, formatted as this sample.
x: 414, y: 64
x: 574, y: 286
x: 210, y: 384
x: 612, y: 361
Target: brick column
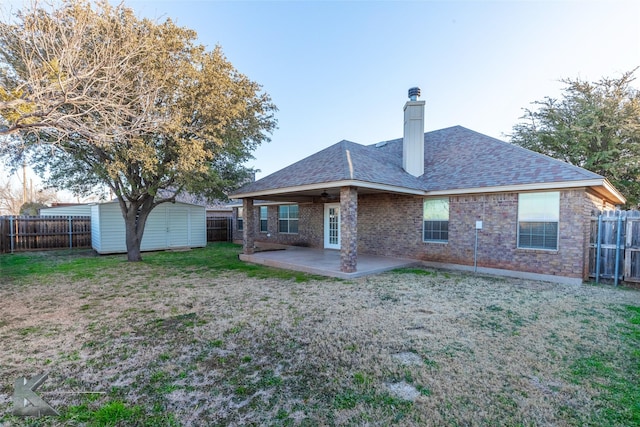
x: 249, y: 219
x: 348, y: 229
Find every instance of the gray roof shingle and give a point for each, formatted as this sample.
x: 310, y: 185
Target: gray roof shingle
x: 345, y: 160
x: 455, y: 158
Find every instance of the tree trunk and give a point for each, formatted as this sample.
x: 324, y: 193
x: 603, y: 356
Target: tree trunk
x: 135, y: 217
x: 133, y: 242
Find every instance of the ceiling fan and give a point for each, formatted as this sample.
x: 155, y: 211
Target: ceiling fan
x: 326, y: 197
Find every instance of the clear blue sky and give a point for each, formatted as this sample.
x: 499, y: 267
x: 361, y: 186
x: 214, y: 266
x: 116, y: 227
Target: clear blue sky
x: 340, y: 70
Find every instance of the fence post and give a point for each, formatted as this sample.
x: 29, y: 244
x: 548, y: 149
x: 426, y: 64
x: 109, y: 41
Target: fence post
x: 598, y: 248
x: 618, y: 231
x: 628, y: 241
x: 11, y: 233
x: 70, y: 232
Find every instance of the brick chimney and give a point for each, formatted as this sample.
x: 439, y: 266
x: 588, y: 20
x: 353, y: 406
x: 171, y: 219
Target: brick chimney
x: 413, y: 139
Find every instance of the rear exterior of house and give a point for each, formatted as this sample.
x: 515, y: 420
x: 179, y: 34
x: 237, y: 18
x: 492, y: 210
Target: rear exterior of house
x: 504, y: 242
x: 451, y: 197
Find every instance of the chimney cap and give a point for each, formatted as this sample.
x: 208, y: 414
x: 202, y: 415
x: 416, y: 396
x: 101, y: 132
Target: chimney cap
x: 414, y: 93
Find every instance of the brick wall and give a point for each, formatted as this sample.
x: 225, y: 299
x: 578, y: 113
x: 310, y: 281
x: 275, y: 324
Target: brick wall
x: 391, y: 224
x: 349, y: 229
x: 310, y: 227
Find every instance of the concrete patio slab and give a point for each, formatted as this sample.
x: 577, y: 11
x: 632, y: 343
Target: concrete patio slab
x: 324, y: 262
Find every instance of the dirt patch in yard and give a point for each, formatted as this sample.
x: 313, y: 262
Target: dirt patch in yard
x: 412, y: 349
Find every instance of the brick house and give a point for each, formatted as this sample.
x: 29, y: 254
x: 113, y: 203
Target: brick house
x: 425, y: 196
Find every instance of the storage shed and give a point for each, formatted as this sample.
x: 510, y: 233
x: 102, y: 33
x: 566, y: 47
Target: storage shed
x: 169, y: 225
x: 67, y: 210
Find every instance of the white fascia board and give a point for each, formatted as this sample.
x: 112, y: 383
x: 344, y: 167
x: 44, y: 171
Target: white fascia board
x: 614, y: 191
x: 598, y: 182
x: 325, y: 185
x: 608, y: 189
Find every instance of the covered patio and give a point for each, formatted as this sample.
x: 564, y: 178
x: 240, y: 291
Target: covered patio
x: 323, y: 190
x: 324, y: 262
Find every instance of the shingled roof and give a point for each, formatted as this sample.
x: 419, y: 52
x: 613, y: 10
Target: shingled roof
x: 456, y: 158
x: 344, y: 161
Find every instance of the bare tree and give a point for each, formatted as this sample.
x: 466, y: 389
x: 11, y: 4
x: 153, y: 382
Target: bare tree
x: 63, y: 67
x: 12, y: 197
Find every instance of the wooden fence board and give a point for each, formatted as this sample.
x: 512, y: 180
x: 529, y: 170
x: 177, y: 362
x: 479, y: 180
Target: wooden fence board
x: 4, y: 230
x: 36, y: 233
x: 31, y: 233
x: 218, y: 229
x: 629, y: 245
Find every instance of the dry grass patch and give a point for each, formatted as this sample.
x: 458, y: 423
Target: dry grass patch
x: 171, y: 344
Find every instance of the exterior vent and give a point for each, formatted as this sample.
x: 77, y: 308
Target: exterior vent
x: 414, y: 93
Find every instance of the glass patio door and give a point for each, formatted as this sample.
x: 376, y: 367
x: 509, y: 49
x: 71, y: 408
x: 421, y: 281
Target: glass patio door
x: 332, y: 226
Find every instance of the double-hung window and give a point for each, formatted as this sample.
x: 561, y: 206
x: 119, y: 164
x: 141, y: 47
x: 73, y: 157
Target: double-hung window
x: 538, y: 217
x: 436, y: 220
x: 264, y: 225
x: 288, y: 218
x: 240, y: 219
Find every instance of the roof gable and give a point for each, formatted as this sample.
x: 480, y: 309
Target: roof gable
x: 342, y: 161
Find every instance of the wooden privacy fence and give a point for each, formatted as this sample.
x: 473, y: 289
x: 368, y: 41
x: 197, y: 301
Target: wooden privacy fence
x: 34, y: 233
x: 31, y: 233
x: 615, y: 243
x: 218, y: 229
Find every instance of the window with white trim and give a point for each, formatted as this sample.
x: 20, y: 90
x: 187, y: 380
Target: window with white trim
x: 288, y: 219
x: 264, y: 222
x: 239, y: 219
x: 436, y: 220
x: 538, y: 218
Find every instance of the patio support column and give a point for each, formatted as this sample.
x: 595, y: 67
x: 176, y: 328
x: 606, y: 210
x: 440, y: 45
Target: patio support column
x: 348, y: 229
x: 248, y: 219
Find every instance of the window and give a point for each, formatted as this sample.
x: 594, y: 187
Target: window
x: 264, y: 225
x: 288, y: 218
x: 436, y: 220
x: 240, y: 220
x: 538, y: 216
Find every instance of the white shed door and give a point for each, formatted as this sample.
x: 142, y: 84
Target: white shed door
x: 178, y: 227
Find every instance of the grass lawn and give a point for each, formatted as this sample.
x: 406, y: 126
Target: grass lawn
x: 198, y: 338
